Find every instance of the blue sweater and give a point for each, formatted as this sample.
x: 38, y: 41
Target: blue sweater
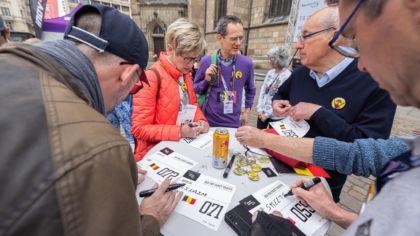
x: 369, y: 111
x: 362, y: 157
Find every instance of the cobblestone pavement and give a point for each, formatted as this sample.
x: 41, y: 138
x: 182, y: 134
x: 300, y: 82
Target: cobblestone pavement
x: 354, y: 193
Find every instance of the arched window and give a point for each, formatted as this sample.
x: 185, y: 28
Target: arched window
x: 158, y: 39
x: 158, y: 30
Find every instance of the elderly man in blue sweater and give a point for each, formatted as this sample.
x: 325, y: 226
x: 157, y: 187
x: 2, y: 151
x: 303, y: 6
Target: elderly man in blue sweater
x: 336, y: 99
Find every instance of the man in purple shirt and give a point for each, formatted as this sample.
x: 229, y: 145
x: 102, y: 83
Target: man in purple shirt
x: 232, y: 75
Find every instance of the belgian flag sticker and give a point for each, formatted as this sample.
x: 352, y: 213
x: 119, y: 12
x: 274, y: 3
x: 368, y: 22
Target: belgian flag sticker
x: 154, y: 166
x: 189, y: 200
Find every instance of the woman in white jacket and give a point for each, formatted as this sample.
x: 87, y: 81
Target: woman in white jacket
x: 278, y: 57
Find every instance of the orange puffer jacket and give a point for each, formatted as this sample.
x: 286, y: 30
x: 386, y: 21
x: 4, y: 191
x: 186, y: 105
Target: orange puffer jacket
x: 154, y: 119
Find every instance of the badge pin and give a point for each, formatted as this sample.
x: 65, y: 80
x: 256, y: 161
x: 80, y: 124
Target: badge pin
x: 184, y: 86
x: 238, y: 74
x: 338, y: 103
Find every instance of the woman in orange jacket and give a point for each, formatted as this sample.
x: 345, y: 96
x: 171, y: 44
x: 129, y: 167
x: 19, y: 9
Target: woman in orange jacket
x: 164, y: 110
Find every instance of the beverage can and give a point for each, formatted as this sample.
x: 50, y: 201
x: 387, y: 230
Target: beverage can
x: 220, y: 148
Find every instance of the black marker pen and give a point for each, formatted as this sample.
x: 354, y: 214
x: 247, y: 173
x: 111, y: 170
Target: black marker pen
x: 306, y: 185
x: 229, y: 166
x: 147, y: 193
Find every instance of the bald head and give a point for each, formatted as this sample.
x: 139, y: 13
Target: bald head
x: 326, y: 17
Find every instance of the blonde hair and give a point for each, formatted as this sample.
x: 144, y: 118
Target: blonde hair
x: 185, y: 36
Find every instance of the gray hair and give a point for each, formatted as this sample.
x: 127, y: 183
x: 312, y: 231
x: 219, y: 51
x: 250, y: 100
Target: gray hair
x: 330, y: 18
x: 185, y: 36
x: 224, y: 22
x: 279, y: 56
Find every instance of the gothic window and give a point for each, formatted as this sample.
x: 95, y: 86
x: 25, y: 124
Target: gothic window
x: 279, y: 8
x: 220, y: 10
x: 158, y: 30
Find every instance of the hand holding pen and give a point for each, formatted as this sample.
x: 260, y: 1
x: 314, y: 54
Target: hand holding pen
x: 305, y: 185
x: 319, y: 199
x: 149, y: 192
x: 161, y: 203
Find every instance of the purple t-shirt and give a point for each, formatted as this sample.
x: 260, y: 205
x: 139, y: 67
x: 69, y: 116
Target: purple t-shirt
x: 244, y: 80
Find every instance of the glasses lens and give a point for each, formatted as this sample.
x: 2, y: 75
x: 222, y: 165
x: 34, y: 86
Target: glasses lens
x: 347, y: 51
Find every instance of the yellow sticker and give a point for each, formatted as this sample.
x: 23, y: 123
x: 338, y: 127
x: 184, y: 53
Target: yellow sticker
x: 238, y: 74
x: 253, y: 176
x: 256, y: 167
x: 338, y: 103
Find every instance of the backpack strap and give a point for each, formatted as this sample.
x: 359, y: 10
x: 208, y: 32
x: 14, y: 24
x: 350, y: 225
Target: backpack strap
x: 158, y: 81
x: 212, y: 82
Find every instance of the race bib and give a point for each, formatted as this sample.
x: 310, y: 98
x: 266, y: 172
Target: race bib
x: 186, y: 114
x: 205, y: 199
x: 271, y: 198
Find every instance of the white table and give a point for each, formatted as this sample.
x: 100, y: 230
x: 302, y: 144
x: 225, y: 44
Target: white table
x: 180, y: 225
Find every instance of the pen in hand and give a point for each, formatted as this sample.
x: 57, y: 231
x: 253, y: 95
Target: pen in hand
x: 229, y: 166
x: 147, y: 193
x: 306, y: 185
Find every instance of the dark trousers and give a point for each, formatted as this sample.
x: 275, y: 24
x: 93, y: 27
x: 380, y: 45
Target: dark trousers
x: 336, y: 183
x: 264, y: 125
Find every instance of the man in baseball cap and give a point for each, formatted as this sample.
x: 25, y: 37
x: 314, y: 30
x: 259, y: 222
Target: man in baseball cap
x: 4, y: 31
x: 66, y: 170
x: 118, y: 35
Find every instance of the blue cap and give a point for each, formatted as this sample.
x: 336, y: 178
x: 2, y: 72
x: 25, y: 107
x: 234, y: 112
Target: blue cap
x: 1, y: 24
x: 119, y: 35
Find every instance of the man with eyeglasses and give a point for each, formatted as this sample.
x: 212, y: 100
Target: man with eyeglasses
x: 4, y: 31
x: 373, y: 30
x: 64, y: 169
x: 329, y: 92
x: 224, y: 79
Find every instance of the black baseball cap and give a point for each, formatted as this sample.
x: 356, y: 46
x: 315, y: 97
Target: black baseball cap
x: 119, y: 35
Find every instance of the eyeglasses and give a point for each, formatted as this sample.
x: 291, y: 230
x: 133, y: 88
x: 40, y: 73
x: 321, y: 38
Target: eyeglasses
x: 302, y: 38
x: 235, y: 39
x: 139, y: 84
x: 350, y: 48
x: 188, y: 60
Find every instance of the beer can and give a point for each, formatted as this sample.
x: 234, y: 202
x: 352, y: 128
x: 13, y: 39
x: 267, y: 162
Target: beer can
x: 220, y: 148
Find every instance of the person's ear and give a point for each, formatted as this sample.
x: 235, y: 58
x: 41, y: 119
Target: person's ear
x: 127, y: 74
x: 170, y: 49
x: 219, y: 37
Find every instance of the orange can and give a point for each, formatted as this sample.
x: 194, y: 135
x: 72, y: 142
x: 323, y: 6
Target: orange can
x: 220, y: 148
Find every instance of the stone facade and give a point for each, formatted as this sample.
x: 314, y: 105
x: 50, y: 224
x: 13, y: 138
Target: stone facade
x: 16, y: 14
x: 264, y: 32
x: 121, y: 5
x: 153, y: 17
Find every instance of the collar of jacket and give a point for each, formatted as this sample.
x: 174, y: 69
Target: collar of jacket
x: 169, y: 67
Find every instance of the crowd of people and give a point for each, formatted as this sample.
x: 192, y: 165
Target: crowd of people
x: 67, y: 170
